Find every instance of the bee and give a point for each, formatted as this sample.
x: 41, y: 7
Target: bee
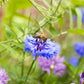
x: 41, y: 37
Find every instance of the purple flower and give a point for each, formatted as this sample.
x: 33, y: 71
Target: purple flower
x: 82, y: 78
x: 38, y: 47
x: 55, y: 64
x: 72, y: 83
x: 3, y: 76
x: 74, y: 60
x: 82, y: 12
x: 79, y: 48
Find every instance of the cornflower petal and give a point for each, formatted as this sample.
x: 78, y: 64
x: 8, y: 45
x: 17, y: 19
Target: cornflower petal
x: 38, y: 47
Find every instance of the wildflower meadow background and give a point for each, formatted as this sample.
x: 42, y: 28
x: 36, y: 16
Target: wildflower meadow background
x: 41, y: 41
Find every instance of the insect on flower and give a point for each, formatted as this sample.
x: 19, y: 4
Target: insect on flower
x: 39, y: 45
x: 41, y: 37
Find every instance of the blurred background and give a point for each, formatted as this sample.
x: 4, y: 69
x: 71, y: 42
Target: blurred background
x: 19, y: 18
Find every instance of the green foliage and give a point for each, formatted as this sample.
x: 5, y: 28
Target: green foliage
x: 9, y: 48
x: 18, y: 27
x: 78, y: 2
x: 71, y: 19
x: 9, y: 32
x: 12, y: 7
x: 56, y: 19
x: 52, y: 30
x: 77, y: 31
x: 79, y: 18
x: 18, y: 45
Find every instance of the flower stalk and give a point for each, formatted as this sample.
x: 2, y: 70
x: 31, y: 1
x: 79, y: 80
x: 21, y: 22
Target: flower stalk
x: 29, y: 70
x: 22, y: 72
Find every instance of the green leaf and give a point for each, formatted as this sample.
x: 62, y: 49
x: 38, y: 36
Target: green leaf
x: 20, y: 4
x: 10, y: 31
x: 79, y: 18
x: 60, y: 21
x: 77, y: 31
x: 21, y: 16
x: 8, y: 48
x: 78, y: 2
x: 46, y: 3
x: 81, y: 65
x: 71, y: 19
x: 69, y: 67
x: 11, y: 9
x: 18, y: 45
x: 17, y: 26
x: 8, y: 34
x: 38, y: 7
x: 52, y: 30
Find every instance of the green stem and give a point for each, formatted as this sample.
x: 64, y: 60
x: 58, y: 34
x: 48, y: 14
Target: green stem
x: 11, y: 39
x: 50, y: 18
x: 6, y: 49
x: 22, y: 72
x: 47, y: 78
x: 34, y: 4
x: 57, y: 7
x: 42, y: 75
x: 29, y: 71
x: 51, y: 3
x: 40, y: 27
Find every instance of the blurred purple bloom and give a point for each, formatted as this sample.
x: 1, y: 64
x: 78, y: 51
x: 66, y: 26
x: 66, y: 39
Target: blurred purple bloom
x: 3, y: 76
x: 82, y: 78
x: 38, y: 47
x: 79, y: 48
x: 74, y: 60
x: 55, y: 64
x: 82, y: 12
x: 72, y: 83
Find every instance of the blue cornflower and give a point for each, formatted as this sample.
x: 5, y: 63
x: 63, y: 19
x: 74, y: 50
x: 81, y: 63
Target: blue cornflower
x: 38, y: 47
x: 79, y: 48
x: 82, y: 12
x: 74, y: 60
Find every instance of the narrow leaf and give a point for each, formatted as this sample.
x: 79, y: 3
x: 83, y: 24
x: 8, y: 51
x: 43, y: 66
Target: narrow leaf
x: 60, y: 21
x: 77, y: 31
x: 8, y: 34
x: 46, y: 3
x: 71, y: 19
x: 18, y: 27
x: 8, y: 48
x: 10, y: 30
x: 79, y: 18
x: 81, y: 65
x: 52, y: 30
x: 69, y: 67
x: 78, y: 2
x: 18, y: 45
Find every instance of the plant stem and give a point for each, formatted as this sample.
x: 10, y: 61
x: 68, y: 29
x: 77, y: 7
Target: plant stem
x: 50, y: 18
x: 29, y: 71
x: 11, y: 40
x: 35, y: 5
x: 22, y: 72
x: 40, y: 27
x: 47, y: 78
x: 51, y: 4
x: 42, y: 74
x: 57, y: 7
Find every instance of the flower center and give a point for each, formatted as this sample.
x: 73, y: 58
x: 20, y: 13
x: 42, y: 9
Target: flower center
x: 40, y: 44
